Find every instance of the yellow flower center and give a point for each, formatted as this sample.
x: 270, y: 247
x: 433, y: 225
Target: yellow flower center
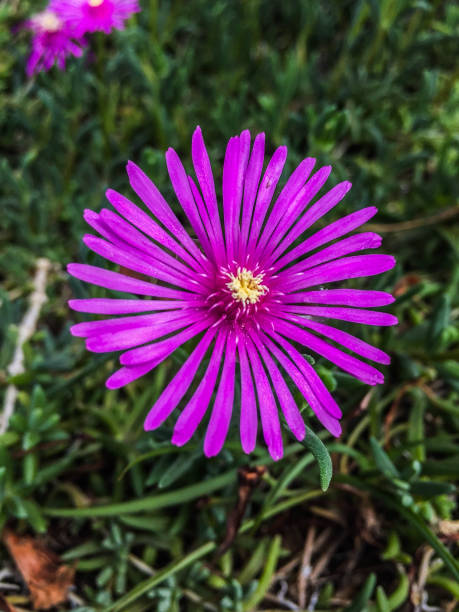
x: 49, y: 21
x: 95, y: 2
x: 245, y: 287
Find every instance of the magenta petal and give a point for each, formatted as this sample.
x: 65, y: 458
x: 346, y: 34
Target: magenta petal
x: 152, y: 351
x: 345, y: 268
x: 320, y: 404
x: 266, y: 190
x: 217, y: 246
x: 178, y: 386
x: 362, y: 298
x: 353, y: 315
x: 205, y: 178
x: 136, y: 239
x: 364, y: 372
x: 128, y: 338
x: 120, y: 282
x: 252, y: 180
x: 287, y: 403
x: 268, y: 409
x: 93, y: 328
x: 111, y: 306
x: 249, y: 418
x: 223, y: 405
x: 124, y: 376
x: 184, y: 195
x: 315, y: 212
x: 299, y: 203
x: 144, y: 266
x: 230, y: 193
x: 339, y: 228
x: 149, y: 194
x: 195, y: 410
x: 347, y: 340
x: 351, y: 244
x: 285, y: 200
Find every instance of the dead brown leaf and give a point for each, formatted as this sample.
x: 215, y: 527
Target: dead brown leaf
x: 405, y: 283
x: 48, y: 581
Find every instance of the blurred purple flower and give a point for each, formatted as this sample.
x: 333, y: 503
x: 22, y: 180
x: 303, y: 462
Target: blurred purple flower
x: 95, y: 15
x: 247, y: 285
x: 53, y: 40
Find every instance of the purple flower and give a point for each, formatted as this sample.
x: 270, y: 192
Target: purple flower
x: 95, y: 15
x: 247, y: 285
x: 52, y: 42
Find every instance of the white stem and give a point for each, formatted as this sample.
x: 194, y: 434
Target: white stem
x: 26, y: 330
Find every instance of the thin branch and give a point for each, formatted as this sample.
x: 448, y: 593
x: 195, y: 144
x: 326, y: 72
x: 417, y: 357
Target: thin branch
x: 404, y: 226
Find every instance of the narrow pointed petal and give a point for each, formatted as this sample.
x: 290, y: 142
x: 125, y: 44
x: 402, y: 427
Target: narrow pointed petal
x: 345, y: 268
x: 203, y: 170
x: 120, y: 282
x: 94, y: 328
x: 196, y: 408
x: 252, y: 180
x: 359, y: 369
x: 347, y: 340
x: 223, y: 405
x: 244, y: 152
x: 128, y: 338
x: 268, y: 409
x: 286, y: 197
x: 248, y: 418
x: 216, y: 244
x: 184, y: 195
x: 152, y: 198
x: 308, y: 383
x: 230, y: 194
x: 363, y: 298
x: 353, y: 315
x: 265, y: 193
x: 124, y: 376
x: 298, y: 204
x: 287, y: 403
x: 146, y: 266
x: 152, y: 351
x: 179, y: 385
x: 135, y: 238
x: 339, y: 228
x: 315, y: 212
x: 346, y: 246
x: 111, y: 306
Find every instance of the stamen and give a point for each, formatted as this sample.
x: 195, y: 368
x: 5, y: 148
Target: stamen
x: 245, y: 287
x: 95, y: 3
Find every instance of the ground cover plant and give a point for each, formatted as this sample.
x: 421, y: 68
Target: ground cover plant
x: 368, y: 87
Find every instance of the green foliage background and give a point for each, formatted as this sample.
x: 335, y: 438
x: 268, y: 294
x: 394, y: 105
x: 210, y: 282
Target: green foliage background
x: 369, y: 87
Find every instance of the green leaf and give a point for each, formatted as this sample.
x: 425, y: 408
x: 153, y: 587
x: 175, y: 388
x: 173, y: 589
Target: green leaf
x: 170, y: 570
x: 360, y: 602
x: 265, y: 579
x: 381, y: 600
x: 178, y: 467
x: 439, y: 320
x: 163, y: 500
x: 34, y: 515
x: 8, y: 438
x: 382, y: 460
x: 398, y: 597
x: 314, y: 444
x: 428, y: 489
